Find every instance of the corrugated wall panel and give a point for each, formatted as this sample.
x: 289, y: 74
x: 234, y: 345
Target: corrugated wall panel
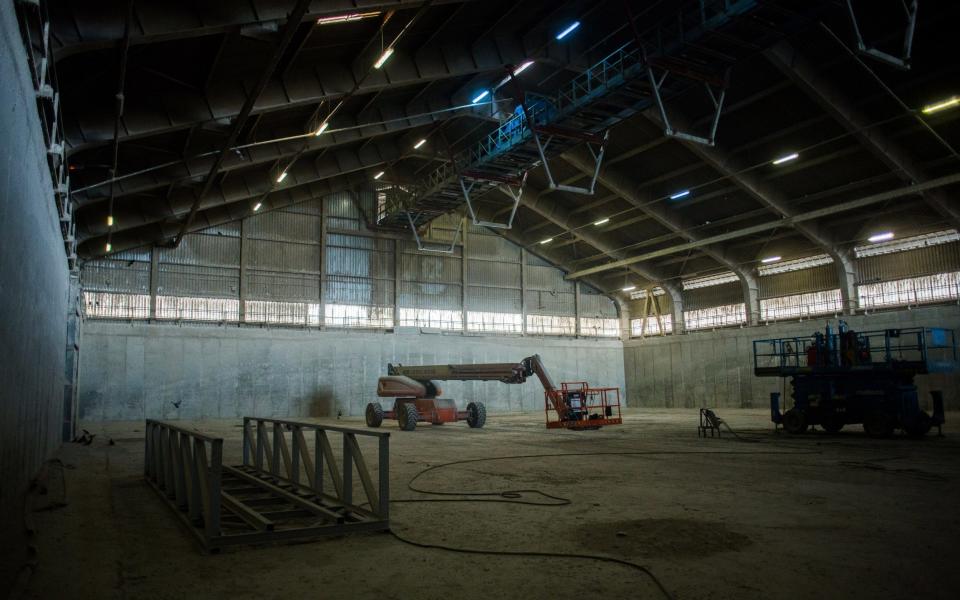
x: 803, y: 281
x: 715, y: 295
x: 116, y: 276
x: 487, y: 299
x: 341, y: 289
x: 430, y: 295
x: 204, y: 250
x: 490, y: 273
x: 942, y: 258
x: 284, y: 226
x: 192, y: 280
x: 283, y: 256
x: 283, y: 286
x: 492, y: 247
x: 540, y: 302
x: 595, y: 305
x: 547, y: 279
x: 430, y: 269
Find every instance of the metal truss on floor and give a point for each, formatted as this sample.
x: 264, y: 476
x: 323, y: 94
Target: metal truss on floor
x: 291, y: 485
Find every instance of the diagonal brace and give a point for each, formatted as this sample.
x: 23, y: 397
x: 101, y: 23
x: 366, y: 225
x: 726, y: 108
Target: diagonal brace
x: 715, y: 97
x: 902, y: 61
x: 430, y: 246
x: 506, y: 189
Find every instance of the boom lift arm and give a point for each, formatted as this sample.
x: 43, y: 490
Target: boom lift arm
x: 417, y: 385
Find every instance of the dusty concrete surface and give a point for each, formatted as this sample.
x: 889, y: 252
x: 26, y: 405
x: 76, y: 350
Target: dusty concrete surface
x: 818, y: 516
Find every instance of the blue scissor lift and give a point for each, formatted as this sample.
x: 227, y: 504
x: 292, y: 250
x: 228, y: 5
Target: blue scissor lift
x: 695, y: 47
x: 845, y: 377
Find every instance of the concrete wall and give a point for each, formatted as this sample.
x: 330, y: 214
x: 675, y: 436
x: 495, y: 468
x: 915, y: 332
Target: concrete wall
x: 33, y: 281
x: 715, y: 368
x: 138, y: 370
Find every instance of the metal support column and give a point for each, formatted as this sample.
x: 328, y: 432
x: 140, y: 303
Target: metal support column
x: 244, y: 258
x: 154, y: 280
x: 323, y: 263
x: 463, y: 276
x: 576, y: 306
x: 523, y: 291
x: 397, y: 270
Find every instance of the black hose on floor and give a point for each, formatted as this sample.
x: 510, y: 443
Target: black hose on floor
x: 516, y: 497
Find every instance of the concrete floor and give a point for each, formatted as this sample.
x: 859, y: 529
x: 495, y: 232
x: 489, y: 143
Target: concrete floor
x: 817, y: 516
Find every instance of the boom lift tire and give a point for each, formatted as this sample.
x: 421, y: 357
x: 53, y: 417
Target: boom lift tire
x: 794, y: 421
x: 831, y: 421
x: 920, y: 426
x: 477, y: 415
x: 374, y: 414
x: 407, y: 417
x: 878, y: 424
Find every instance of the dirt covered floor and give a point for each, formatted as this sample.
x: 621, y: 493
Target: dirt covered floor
x: 839, y: 516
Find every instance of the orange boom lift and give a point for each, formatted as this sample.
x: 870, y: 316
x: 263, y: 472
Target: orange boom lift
x: 574, y: 405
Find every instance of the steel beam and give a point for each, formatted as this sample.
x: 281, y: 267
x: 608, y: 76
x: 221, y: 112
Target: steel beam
x: 623, y: 185
x: 812, y: 215
x: 379, y: 121
x: 289, y: 29
x: 557, y: 260
x: 838, y: 105
x: 561, y: 217
x: 83, y: 27
x: 243, y: 187
x: 304, y: 86
x: 777, y: 202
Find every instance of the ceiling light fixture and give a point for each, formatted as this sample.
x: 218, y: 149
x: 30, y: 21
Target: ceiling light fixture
x: 787, y: 158
x: 378, y: 175
x: 109, y: 220
x: 942, y: 105
x: 257, y: 206
x: 480, y: 96
x: 346, y: 18
x: 546, y: 241
x: 523, y: 67
x: 109, y: 247
x: 567, y: 31
x: 322, y: 128
x: 680, y: 194
x: 629, y: 288
x: 383, y: 58
x: 602, y: 221
x: 281, y: 177
x: 770, y: 259
x: 881, y: 237
x: 420, y: 143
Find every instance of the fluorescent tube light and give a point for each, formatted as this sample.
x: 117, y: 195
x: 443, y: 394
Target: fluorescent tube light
x: 787, y: 158
x: 567, y: 31
x: 942, y: 105
x: 383, y: 58
x: 881, y: 237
